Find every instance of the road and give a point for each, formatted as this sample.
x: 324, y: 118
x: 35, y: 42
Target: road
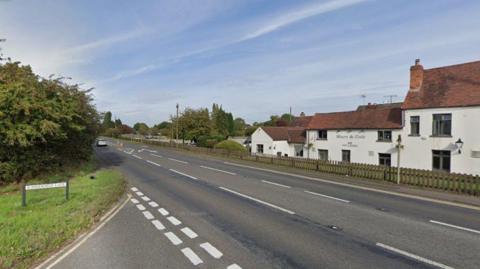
x: 195, y: 212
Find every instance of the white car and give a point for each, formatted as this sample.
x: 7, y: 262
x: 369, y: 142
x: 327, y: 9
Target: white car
x: 101, y: 143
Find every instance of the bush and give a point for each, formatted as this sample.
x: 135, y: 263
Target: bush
x: 209, y: 141
x: 230, y: 145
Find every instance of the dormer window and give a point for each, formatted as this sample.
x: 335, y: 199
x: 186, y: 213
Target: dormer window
x: 322, y: 134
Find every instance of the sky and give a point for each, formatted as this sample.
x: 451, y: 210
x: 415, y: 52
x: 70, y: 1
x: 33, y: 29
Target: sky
x: 255, y: 58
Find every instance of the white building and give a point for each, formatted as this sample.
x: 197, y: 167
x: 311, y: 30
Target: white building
x: 279, y: 141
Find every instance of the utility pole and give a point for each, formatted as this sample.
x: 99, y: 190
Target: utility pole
x: 390, y: 97
x: 363, y: 96
x: 176, y: 127
x: 290, y: 115
x: 399, y: 148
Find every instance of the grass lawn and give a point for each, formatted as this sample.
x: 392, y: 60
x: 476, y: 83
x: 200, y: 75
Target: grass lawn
x: 49, y: 221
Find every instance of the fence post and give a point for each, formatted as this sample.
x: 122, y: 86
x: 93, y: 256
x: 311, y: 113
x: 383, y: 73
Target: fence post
x: 24, y: 195
x: 67, y: 190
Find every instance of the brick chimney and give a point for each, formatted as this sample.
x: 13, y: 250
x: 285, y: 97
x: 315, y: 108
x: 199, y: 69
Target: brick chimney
x: 416, y: 76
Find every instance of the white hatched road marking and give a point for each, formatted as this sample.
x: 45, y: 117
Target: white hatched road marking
x: 138, y: 157
x: 156, y: 155
x: 194, y: 259
x: 141, y: 207
x: 326, y: 196
x: 413, y: 256
x: 183, y: 174
x: 134, y: 189
x: 234, y: 266
x: 173, y: 238
x: 153, y: 204
x: 154, y: 163
x: 455, y: 226
x: 258, y: 201
x: 213, y: 251
x: 218, y: 170
x: 158, y: 224
x: 180, y: 161
x: 148, y: 215
x: 135, y: 201
x: 163, y: 211
x: 276, y: 184
x: 139, y: 193
x: 145, y: 198
x: 174, y: 220
x: 188, y: 232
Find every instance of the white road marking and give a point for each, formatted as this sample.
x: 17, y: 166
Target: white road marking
x: 145, y: 198
x: 413, y: 256
x: 183, y: 174
x: 455, y: 226
x: 213, y: 251
x: 139, y: 193
x: 259, y: 201
x: 153, y: 204
x: 173, y: 238
x: 188, y: 232
x: 158, y: 225
x: 134, y: 189
x: 175, y: 160
x: 218, y: 170
x: 154, y: 163
x: 156, y: 155
x: 141, y: 207
x: 194, y: 259
x: 163, y: 211
x: 148, y: 215
x: 276, y: 184
x: 138, y: 157
x: 135, y: 201
x: 326, y: 196
x: 174, y: 220
x: 234, y: 266
x: 151, y: 150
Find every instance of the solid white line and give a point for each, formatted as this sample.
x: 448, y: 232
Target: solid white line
x: 258, y: 201
x: 152, y: 151
x: 218, y: 170
x: 174, y: 220
x: 175, y: 160
x: 158, y: 225
x: 173, y: 238
x: 145, y: 198
x: 213, y: 251
x: 163, y: 211
x: 139, y: 193
x: 154, y: 163
x: 156, y: 155
x: 455, y: 226
x: 234, y: 266
x: 359, y: 187
x: 135, y: 201
x: 276, y: 184
x: 180, y: 173
x: 188, y: 232
x: 413, y: 256
x: 138, y: 157
x: 153, y: 204
x: 76, y: 243
x: 141, y: 207
x: 134, y: 189
x: 326, y: 196
x: 148, y: 215
x: 194, y: 259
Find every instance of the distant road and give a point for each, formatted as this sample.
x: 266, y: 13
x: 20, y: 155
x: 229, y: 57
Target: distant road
x: 196, y: 212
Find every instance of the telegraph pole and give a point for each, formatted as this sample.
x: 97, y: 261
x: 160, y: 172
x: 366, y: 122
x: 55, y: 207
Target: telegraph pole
x: 399, y: 148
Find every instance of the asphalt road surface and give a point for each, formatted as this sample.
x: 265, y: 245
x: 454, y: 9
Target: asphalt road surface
x: 195, y: 212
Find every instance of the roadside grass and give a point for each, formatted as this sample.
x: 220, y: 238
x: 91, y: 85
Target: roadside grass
x: 49, y: 221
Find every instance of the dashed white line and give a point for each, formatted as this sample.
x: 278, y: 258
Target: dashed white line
x: 174, y: 220
x: 138, y: 157
x: 153, y: 204
x: 213, y: 251
x: 154, y: 163
x: 194, y: 259
x: 413, y: 256
x: 188, y: 232
x: 151, y: 150
x: 135, y: 201
x: 183, y: 174
x: 180, y: 161
x: 148, y: 215
x: 139, y: 193
x: 326, y: 196
x: 218, y: 170
x: 156, y: 155
x: 141, y: 207
x: 276, y: 184
x: 258, y: 201
x: 234, y: 266
x: 145, y: 198
x: 173, y: 238
x: 455, y: 226
x: 163, y: 211
x: 158, y: 225
x: 134, y: 189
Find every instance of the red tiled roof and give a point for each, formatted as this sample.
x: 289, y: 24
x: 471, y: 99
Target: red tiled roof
x: 449, y: 86
x: 290, y: 134
x: 301, y: 121
x: 365, y: 117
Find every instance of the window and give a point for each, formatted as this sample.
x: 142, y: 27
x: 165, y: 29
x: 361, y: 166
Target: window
x: 259, y: 148
x: 385, y: 159
x: 441, y: 160
x: 323, y: 154
x: 299, y: 153
x: 322, y: 134
x: 415, y: 125
x: 442, y: 125
x: 346, y: 155
x: 279, y: 154
x: 385, y: 136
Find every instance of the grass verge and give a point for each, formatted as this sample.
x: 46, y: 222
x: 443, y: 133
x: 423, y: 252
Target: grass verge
x: 49, y: 221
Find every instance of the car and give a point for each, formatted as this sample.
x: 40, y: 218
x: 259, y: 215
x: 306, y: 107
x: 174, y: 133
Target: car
x: 101, y: 143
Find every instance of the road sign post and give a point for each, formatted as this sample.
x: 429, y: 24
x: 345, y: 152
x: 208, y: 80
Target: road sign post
x: 26, y: 188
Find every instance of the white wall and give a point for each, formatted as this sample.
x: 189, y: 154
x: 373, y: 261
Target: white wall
x: 270, y: 147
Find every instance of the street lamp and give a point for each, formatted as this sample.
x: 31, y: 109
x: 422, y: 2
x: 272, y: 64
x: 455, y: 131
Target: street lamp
x: 459, y: 145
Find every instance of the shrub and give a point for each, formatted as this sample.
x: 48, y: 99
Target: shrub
x: 230, y: 145
x: 209, y: 141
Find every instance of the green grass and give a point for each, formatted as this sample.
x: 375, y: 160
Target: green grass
x: 49, y: 221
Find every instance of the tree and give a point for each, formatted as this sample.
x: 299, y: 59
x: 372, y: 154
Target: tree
x: 141, y: 128
x: 118, y: 123
x: 194, y: 123
x: 239, y: 127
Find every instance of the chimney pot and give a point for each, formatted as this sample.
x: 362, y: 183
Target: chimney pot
x: 417, y: 61
x: 416, y: 76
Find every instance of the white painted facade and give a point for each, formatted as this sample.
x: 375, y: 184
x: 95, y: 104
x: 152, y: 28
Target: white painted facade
x: 270, y: 146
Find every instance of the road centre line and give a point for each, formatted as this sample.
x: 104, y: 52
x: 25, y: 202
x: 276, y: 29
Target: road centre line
x: 326, y: 196
x: 213, y: 251
x: 141, y: 207
x: 153, y: 204
x: 174, y: 220
x: 183, y: 174
x: 191, y: 256
x: 158, y: 225
x: 148, y: 215
x: 276, y: 184
x: 175, y: 160
x: 163, y: 211
x: 413, y: 256
x: 218, y: 170
x: 188, y: 232
x: 138, y: 157
x: 258, y: 201
x: 156, y: 155
x: 455, y: 226
x: 173, y: 238
x: 154, y: 163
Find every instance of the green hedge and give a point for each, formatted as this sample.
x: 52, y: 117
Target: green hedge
x: 230, y: 146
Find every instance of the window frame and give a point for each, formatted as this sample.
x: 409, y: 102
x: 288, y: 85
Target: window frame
x: 439, y: 127
x: 258, y: 147
x: 385, y: 157
x: 349, y: 155
x: 322, y: 137
x: 417, y: 123
x: 442, y: 155
x: 381, y: 138
x: 323, y: 151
